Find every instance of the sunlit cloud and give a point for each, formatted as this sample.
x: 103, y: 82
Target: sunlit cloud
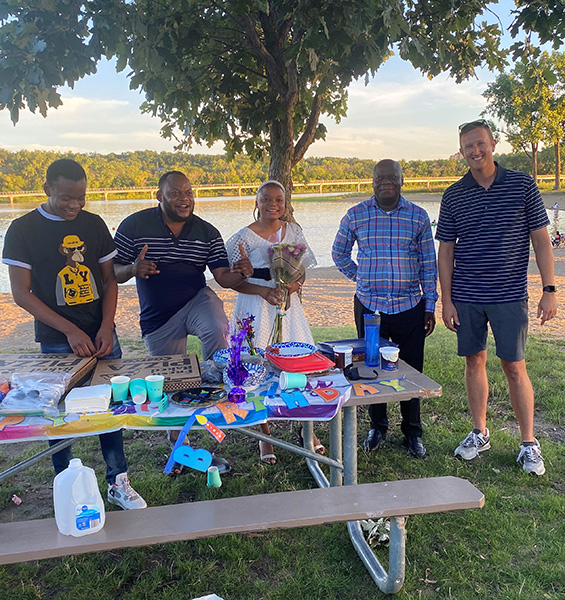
x: 399, y: 114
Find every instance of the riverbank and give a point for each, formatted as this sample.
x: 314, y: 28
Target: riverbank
x: 327, y: 303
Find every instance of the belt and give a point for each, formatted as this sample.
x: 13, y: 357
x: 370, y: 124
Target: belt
x: 262, y: 274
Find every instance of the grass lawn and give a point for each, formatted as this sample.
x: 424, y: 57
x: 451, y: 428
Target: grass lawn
x: 511, y: 549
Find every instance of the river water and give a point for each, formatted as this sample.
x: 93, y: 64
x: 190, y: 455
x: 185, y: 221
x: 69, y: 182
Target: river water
x: 319, y: 219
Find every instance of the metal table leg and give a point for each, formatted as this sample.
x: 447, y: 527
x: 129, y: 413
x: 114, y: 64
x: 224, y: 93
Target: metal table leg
x: 34, y: 459
x: 308, y: 441
x: 336, y: 449
x: 391, y: 582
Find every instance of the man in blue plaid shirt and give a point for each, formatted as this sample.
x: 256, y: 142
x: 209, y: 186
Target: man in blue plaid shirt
x: 396, y: 274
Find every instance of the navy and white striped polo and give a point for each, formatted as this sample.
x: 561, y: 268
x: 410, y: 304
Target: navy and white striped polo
x: 491, y: 231
x: 181, y: 261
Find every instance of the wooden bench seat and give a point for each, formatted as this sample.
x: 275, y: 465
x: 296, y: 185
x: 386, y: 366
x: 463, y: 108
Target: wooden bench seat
x: 39, y: 539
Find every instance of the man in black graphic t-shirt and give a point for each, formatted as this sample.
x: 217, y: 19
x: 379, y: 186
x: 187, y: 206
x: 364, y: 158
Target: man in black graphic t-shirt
x: 60, y: 263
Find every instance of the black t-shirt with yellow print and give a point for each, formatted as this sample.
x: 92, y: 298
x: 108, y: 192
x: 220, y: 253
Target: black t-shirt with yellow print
x: 64, y: 258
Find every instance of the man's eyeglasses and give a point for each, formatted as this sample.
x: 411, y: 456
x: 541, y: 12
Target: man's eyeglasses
x: 464, y: 127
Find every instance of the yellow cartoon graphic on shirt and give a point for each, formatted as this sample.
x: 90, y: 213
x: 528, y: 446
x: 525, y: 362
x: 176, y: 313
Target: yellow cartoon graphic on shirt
x: 75, y: 284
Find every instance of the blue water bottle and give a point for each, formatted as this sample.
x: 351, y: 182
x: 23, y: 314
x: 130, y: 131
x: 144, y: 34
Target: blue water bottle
x: 372, y: 337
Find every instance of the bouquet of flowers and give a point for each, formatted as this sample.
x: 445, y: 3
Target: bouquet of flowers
x: 286, y: 268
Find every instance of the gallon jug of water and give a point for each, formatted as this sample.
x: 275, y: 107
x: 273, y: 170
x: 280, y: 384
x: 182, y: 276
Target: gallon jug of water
x: 79, y: 509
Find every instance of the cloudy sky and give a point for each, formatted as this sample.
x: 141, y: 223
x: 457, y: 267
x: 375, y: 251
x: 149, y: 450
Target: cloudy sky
x: 400, y: 114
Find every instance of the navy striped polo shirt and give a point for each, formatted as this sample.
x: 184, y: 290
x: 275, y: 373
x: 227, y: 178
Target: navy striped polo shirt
x: 181, y: 261
x: 491, y: 231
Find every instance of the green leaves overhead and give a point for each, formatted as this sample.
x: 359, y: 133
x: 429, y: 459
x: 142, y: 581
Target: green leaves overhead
x: 256, y: 74
x: 530, y: 101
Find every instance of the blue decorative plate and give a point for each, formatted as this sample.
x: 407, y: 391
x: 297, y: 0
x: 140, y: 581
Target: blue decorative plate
x: 291, y: 349
x: 221, y: 356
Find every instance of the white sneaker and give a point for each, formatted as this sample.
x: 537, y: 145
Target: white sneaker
x: 474, y: 443
x: 531, y: 459
x: 122, y: 494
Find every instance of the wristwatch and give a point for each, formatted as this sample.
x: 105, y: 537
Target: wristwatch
x: 549, y: 288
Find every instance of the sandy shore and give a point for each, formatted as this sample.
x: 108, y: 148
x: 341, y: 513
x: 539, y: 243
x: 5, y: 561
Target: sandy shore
x: 327, y: 303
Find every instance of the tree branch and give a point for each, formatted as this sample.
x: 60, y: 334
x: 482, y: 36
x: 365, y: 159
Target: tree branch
x: 307, y: 137
x: 273, y: 71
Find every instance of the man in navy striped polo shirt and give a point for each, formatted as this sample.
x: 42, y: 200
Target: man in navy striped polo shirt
x: 487, y: 220
x: 396, y: 275
x: 167, y: 249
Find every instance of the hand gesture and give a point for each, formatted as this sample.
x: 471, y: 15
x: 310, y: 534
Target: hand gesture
x: 243, y: 265
x: 142, y: 267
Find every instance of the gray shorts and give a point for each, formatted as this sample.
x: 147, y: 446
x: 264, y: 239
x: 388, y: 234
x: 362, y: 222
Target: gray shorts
x: 203, y: 316
x: 509, y: 324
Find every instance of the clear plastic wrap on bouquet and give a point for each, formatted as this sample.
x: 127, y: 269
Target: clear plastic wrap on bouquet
x: 287, y: 267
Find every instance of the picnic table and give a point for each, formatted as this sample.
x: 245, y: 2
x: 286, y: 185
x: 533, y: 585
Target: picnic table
x: 326, y: 398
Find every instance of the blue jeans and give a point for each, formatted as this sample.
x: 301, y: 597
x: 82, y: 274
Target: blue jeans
x: 112, y: 444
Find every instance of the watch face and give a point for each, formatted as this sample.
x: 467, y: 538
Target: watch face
x: 549, y: 288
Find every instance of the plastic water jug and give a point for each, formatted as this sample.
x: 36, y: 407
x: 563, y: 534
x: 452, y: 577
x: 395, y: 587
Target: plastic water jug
x: 79, y: 509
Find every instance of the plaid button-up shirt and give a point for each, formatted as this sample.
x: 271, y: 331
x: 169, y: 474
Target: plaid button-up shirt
x: 396, y: 260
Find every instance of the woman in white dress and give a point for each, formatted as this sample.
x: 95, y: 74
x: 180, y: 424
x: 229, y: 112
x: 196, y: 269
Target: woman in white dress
x: 258, y: 295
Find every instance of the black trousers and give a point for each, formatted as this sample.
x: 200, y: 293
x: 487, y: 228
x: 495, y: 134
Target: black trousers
x: 407, y: 330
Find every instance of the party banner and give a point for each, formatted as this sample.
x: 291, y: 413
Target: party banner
x: 320, y: 400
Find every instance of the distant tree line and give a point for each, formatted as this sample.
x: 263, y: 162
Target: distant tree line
x: 25, y: 170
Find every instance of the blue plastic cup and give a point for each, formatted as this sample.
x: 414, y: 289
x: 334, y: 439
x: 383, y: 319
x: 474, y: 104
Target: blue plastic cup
x: 372, y: 337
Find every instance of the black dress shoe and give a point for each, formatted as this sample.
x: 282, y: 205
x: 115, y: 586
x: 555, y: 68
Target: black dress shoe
x: 415, y: 446
x: 374, y: 440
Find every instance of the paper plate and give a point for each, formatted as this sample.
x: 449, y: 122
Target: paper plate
x: 294, y: 349
x: 257, y: 374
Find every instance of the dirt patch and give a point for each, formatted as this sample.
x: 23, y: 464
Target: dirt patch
x: 328, y: 302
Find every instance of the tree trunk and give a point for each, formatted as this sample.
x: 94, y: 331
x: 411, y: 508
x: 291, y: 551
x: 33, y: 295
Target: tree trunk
x: 557, y: 151
x: 282, y: 154
x: 535, y: 161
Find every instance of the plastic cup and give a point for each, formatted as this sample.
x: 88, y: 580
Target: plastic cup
x: 154, y: 385
x: 343, y: 356
x: 389, y: 358
x: 289, y: 381
x: 214, y: 477
x: 120, y: 388
x: 138, y: 391
x: 372, y: 338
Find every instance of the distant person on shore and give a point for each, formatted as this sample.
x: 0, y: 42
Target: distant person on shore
x: 59, y: 257
x: 555, y: 210
x: 167, y: 249
x: 259, y: 295
x: 396, y: 274
x: 487, y: 220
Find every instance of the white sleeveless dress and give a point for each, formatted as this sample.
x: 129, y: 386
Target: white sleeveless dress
x: 295, y: 325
